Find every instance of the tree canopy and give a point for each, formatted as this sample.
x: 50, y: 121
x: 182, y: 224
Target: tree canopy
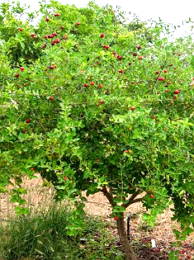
x: 95, y: 104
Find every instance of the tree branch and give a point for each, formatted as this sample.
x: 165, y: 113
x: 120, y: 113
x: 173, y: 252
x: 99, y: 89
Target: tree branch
x: 132, y: 199
x: 108, y: 195
x: 137, y: 200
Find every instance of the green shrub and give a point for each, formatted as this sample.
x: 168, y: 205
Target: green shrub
x: 44, y: 236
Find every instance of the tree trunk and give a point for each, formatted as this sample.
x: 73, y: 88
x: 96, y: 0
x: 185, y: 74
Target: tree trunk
x: 128, y: 251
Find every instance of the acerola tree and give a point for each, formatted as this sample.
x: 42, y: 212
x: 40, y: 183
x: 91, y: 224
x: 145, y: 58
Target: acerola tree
x: 96, y: 104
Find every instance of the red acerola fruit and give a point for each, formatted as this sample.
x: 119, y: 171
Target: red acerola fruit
x: 106, y: 47
x: 52, y: 67
x: 92, y: 83
x: 126, y: 151
x: 17, y: 75
x: 121, y: 71
x: 119, y: 57
x: 152, y: 196
x: 165, y: 71
x: 57, y: 14
x: 116, y: 218
x: 55, y: 41
x: 78, y: 23
x: 177, y: 91
x: 28, y: 121
x: 161, y: 78
x: 132, y: 108
x: 33, y: 35
x: 32, y: 169
x: 51, y: 98
x: 102, y: 35
x: 101, y: 102
x: 138, y: 47
x: 46, y: 36
x: 20, y: 29
x: 140, y: 57
x: 50, y: 36
x: 86, y: 85
x: 22, y: 69
x: 54, y: 34
x: 100, y: 86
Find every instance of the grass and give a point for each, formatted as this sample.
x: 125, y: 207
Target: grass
x: 44, y: 236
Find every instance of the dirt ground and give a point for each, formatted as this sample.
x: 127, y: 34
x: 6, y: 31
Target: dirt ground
x: 39, y: 196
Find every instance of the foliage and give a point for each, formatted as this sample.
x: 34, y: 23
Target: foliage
x: 93, y: 104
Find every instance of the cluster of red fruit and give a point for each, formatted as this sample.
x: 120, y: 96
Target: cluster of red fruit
x: 162, y: 79
x: 50, y: 36
x: 92, y: 83
x: 55, y: 41
x: 140, y: 57
x: 136, y: 55
x: 17, y: 74
x: 106, y: 47
x: 119, y: 57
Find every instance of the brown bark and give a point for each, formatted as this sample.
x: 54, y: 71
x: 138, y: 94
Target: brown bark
x: 127, y: 249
